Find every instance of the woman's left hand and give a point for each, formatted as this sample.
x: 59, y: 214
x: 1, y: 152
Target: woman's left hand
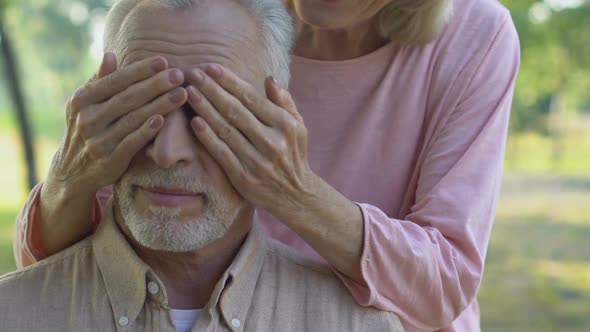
x: 260, y: 141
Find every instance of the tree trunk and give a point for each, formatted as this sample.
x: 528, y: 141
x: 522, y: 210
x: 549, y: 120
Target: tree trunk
x: 19, y: 103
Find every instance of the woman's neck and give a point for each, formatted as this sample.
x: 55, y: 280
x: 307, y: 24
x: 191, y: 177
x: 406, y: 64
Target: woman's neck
x: 340, y: 44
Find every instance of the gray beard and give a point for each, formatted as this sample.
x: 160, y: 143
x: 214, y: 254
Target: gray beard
x: 161, y: 230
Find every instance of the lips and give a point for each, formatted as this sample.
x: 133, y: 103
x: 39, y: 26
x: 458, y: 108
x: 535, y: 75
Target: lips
x: 172, y: 197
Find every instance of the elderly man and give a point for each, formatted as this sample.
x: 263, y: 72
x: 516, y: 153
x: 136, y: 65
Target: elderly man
x: 178, y: 247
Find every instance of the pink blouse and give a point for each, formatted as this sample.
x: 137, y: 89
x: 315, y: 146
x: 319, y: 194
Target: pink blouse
x: 416, y: 136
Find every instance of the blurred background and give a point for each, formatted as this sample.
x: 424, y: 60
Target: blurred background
x: 538, y: 267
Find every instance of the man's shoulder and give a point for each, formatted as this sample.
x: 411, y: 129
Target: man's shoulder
x: 292, y: 259
x: 51, y: 269
x: 317, y: 291
x: 63, y: 290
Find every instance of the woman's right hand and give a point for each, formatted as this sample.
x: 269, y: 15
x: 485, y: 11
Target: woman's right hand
x: 109, y: 119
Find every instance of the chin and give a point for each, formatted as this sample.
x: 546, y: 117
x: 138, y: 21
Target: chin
x: 165, y: 229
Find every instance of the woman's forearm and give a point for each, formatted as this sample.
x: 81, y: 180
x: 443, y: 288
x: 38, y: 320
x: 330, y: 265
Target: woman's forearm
x: 331, y: 224
x: 64, y: 216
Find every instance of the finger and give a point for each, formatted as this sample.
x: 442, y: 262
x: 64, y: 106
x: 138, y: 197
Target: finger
x: 257, y: 103
x: 109, y: 65
x: 124, y: 126
x: 218, y: 149
x: 100, y: 71
x: 235, y: 113
x: 138, y: 95
x: 134, y: 142
x: 108, y: 86
x: 281, y: 97
x: 231, y: 136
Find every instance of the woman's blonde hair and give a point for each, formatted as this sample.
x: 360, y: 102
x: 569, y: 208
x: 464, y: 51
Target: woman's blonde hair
x: 411, y: 22
x: 414, y: 21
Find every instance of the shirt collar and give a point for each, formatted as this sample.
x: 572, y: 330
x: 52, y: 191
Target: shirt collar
x: 123, y: 271
x: 125, y: 274
x: 243, y: 275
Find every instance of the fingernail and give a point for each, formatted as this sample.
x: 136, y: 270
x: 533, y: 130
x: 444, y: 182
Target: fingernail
x: 177, y: 95
x: 198, y: 76
x: 198, y: 124
x: 156, y: 122
x: 274, y: 82
x: 158, y: 65
x: 176, y: 76
x: 214, y: 70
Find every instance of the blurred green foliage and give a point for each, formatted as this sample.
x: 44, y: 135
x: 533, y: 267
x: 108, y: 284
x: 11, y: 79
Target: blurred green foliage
x: 555, y: 69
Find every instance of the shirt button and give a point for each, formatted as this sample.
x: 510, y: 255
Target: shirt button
x: 153, y: 288
x: 236, y: 323
x: 123, y: 321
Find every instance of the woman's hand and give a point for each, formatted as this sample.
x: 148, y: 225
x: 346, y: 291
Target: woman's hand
x: 260, y: 141
x: 111, y: 118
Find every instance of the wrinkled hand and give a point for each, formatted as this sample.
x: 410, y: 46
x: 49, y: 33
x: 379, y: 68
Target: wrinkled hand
x: 260, y: 141
x: 113, y: 116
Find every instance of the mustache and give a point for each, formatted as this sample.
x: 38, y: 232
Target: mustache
x: 176, y: 178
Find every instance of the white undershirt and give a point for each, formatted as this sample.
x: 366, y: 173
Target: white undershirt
x: 185, y: 319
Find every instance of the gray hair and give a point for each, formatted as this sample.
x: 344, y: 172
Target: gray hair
x: 276, y: 25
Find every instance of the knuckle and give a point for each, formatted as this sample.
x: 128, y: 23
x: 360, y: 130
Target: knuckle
x: 94, y: 150
x: 85, y: 126
x: 280, y: 146
x: 248, y: 96
x: 289, y: 124
x: 268, y: 144
x: 276, y: 146
x: 244, y: 176
x: 225, y: 132
x: 77, y: 99
x: 128, y: 122
x: 232, y: 113
x: 125, y: 101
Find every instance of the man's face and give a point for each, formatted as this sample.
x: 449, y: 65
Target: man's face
x: 174, y: 195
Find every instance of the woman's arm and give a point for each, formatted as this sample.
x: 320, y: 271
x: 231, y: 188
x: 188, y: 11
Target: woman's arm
x: 427, y: 267
x: 34, y: 242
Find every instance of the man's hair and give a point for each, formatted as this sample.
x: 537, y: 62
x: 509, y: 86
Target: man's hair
x: 275, y: 22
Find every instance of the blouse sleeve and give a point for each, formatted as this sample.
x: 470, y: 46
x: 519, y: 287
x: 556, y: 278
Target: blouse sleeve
x: 28, y: 245
x: 427, y: 268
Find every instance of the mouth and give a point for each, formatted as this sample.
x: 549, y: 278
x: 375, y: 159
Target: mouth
x: 171, y: 197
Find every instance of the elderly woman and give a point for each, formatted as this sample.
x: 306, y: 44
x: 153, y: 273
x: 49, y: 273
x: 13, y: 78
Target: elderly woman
x: 406, y: 106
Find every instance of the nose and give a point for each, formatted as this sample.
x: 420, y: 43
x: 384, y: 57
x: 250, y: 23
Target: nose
x: 175, y: 143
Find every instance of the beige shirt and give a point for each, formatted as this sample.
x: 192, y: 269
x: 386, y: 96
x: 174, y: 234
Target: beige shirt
x: 101, y: 284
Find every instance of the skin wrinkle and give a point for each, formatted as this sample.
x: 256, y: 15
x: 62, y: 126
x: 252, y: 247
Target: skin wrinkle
x: 220, y: 51
x: 226, y: 45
